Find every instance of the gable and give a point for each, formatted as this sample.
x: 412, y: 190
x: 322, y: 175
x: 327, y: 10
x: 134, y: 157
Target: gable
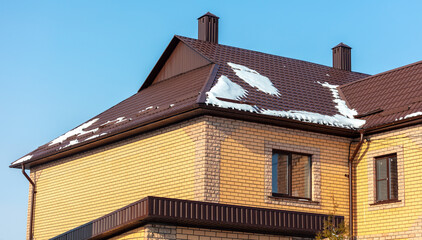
x: 182, y: 59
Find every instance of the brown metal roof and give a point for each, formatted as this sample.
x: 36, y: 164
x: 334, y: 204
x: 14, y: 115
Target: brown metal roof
x: 296, y: 80
x: 200, y: 214
x: 387, y: 97
x: 299, y: 84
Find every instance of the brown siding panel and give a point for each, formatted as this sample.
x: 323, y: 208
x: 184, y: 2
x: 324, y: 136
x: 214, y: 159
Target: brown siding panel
x: 183, y: 59
x: 200, y: 214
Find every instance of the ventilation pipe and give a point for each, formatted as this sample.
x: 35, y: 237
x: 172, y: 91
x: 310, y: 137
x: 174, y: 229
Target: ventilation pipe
x: 342, y: 57
x: 208, y: 28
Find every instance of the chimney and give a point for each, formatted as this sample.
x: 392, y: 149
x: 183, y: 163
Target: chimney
x: 342, y: 57
x: 208, y: 28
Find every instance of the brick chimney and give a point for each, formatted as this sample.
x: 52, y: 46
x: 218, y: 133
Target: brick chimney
x: 342, y: 57
x: 208, y: 28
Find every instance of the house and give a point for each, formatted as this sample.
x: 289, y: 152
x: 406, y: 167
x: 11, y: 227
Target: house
x: 227, y: 143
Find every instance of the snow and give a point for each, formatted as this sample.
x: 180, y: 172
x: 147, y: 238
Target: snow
x: 171, y: 105
x: 413, y: 115
x: 77, y: 131
x: 95, y: 136
x: 73, y: 142
x: 224, y: 88
x: 254, y: 79
x: 146, y: 109
x: 23, y: 159
x: 341, y: 104
x: 336, y: 120
x: 116, y: 121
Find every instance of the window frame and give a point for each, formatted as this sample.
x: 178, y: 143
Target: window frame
x: 388, y: 200
x: 289, y: 195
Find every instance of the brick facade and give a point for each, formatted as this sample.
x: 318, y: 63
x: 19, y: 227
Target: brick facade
x: 226, y: 161
x: 167, y: 232
x: 396, y: 220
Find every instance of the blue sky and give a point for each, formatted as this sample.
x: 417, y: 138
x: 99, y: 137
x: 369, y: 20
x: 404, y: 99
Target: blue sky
x: 62, y: 62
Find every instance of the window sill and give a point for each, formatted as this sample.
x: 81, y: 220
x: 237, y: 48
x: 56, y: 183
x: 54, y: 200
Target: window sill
x: 385, y: 202
x: 293, y: 199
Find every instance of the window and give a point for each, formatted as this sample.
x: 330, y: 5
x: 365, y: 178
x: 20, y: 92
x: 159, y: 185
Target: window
x: 291, y: 175
x: 386, y: 178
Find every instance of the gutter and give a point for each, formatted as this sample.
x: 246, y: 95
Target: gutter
x: 31, y: 218
x: 358, y: 147
x: 185, y: 113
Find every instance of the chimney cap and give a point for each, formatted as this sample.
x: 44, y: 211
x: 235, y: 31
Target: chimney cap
x: 209, y: 14
x: 341, y: 45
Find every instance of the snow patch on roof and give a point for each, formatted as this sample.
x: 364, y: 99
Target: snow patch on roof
x: 73, y: 142
x: 146, y: 109
x: 336, y: 120
x: 115, y: 121
x: 341, y: 104
x: 347, y: 114
x: 94, y: 136
x: 23, y: 159
x: 413, y: 115
x: 409, y: 116
x: 224, y: 88
x: 254, y: 79
x: 77, y: 131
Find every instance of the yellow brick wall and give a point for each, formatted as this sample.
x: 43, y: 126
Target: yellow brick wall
x: 160, y: 231
x: 206, y: 159
x: 243, y: 151
x: 136, y: 234
x: 81, y: 188
x: 400, y: 220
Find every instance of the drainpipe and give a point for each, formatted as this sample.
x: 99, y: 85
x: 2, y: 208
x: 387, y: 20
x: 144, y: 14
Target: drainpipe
x: 31, y: 218
x: 351, y: 180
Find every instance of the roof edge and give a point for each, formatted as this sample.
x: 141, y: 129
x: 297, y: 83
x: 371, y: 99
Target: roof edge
x: 189, y: 112
x: 381, y: 73
x: 163, y: 59
x: 394, y: 125
x: 172, y: 211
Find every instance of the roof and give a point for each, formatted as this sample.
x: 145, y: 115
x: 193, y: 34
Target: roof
x: 341, y: 45
x: 387, y: 97
x: 236, y: 80
x: 209, y: 14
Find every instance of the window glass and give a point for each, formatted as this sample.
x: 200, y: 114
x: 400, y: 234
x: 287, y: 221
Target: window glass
x: 386, y: 178
x: 382, y: 190
x: 300, y: 176
x: 291, y: 174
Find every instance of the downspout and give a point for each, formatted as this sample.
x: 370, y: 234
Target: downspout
x: 31, y: 218
x: 351, y: 180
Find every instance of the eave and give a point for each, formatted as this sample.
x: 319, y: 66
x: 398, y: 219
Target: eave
x: 195, y: 110
x: 199, y: 214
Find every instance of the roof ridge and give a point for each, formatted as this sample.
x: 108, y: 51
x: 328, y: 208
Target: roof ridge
x: 382, y: 73
x: 183, y: 38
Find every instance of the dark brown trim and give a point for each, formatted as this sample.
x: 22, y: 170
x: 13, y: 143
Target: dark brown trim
x: 290, y: 172
x: 189, y: 112
x: 285, y: 196
x: 160, y: 63
x: 359, y: 145
x: 385, y: 202
x: 31, y: 216
x: 203, y: 94
x: 200, y: 214
x: 388, y: 179
x: 372, y: 112
x: 394, y: 125
x: 301, y: 200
